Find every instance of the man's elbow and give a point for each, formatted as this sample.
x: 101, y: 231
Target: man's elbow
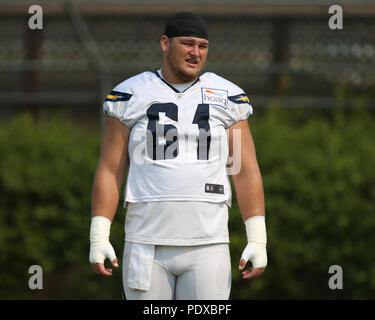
x: 246, y: 174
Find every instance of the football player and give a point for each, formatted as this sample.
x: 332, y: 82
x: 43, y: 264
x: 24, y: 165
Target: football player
x: 177, y: 129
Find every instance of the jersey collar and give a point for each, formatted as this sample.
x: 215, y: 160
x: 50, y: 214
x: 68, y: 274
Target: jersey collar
x: 173, y: 88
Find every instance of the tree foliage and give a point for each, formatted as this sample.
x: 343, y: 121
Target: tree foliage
x: 319, y: 181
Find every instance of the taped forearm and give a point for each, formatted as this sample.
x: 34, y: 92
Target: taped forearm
x: 100, y: 247
x: 255, y: 250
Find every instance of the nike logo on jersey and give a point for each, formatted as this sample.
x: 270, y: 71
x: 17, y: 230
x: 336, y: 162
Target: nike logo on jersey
x: 215, y: 97
x: 214, y: 188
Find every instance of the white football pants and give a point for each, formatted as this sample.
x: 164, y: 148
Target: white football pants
x: 200, y: 272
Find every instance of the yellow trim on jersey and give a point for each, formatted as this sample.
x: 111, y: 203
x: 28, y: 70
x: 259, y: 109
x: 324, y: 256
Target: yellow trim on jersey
x: 244, y: 99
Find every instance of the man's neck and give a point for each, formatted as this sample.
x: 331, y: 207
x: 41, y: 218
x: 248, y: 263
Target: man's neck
x: 181, y: 87
x: 171, y: 77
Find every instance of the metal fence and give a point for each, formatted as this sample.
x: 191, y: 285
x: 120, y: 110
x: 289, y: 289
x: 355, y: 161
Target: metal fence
x: 270, y: 50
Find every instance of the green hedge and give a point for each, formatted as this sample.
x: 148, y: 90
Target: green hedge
x: 319, y: 181
x: 46, y: 175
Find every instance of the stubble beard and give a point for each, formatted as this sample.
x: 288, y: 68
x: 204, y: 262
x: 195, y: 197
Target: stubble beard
x: 181, y: 74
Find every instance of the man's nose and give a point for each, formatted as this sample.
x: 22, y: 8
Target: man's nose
x: 195, y: 51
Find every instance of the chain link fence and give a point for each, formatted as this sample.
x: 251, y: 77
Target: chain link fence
x: 81, y: 54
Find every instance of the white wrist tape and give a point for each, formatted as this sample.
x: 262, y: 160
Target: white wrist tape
x: 100, y: 247
x: 255, y: 250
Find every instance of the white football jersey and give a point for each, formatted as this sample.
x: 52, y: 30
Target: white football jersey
x: 178, y: 144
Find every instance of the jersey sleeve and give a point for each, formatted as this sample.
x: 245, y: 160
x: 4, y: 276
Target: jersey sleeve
x: 239, y: 108
x: 118, y: 103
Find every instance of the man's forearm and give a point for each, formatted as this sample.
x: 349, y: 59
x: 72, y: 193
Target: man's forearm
x: 106, y: 194
x: 250, y: 199
x: 249, y: 194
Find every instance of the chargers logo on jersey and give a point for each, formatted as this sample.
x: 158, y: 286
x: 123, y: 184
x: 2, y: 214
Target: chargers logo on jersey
x: 215, y: 97
x: 239, y: 98
x: 115, y: 96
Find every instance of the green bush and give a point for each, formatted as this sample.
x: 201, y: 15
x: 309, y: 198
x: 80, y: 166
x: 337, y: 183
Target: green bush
x: 46, y: 175
x: 319, y: 181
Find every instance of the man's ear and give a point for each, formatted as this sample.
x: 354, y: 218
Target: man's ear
x: 164, y: 43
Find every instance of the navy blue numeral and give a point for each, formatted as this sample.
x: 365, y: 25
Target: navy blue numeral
x: 204, y: 139
x: 201, y: 118
x: 170, y: 110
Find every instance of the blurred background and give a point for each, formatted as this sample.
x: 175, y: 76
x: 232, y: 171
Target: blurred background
x: 312, y: 90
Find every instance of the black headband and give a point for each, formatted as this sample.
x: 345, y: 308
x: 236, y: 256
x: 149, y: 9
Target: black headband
x: 186, y: 24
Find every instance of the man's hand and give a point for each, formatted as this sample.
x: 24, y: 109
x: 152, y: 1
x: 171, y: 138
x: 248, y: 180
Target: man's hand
x: 100, y: 254
x: 100, y: 269
x: 255, y: 251
x: 257, y: 256
x: 100, y: 247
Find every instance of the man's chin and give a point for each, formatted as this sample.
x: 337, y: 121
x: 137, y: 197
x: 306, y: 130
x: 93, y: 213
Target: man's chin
x: 189, y: 74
